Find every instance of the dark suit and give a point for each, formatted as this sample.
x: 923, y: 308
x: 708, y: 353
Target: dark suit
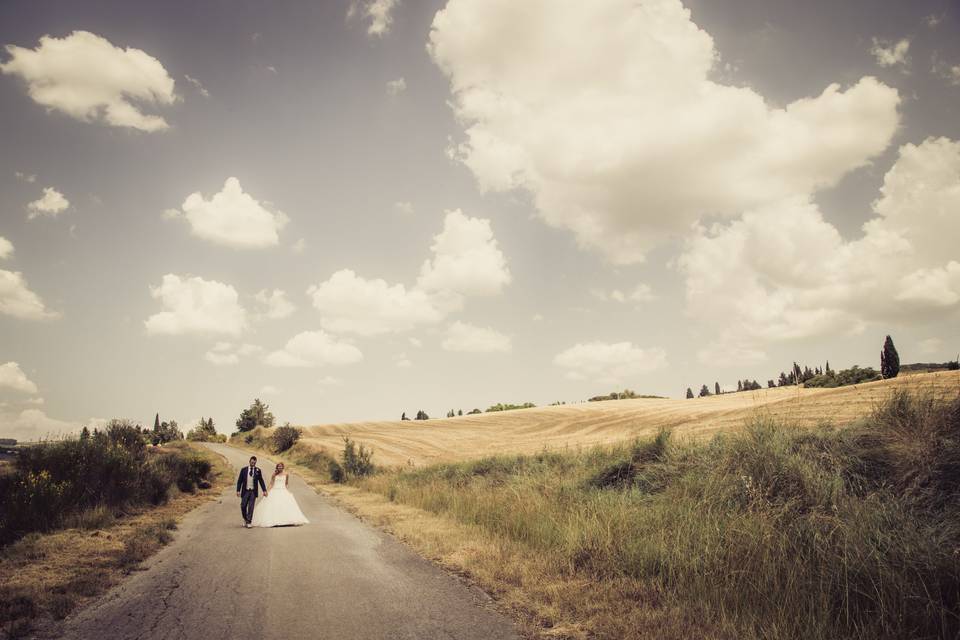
x: 248, y: 497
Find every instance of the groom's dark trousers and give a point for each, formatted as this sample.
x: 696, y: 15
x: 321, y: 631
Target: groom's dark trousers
x: 248, y: 497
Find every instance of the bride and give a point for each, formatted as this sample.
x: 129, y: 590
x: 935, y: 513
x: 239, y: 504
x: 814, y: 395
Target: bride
x: 278, y: 508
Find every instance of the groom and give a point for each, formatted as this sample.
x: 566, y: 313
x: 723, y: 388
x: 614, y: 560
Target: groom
x: 248, y: 488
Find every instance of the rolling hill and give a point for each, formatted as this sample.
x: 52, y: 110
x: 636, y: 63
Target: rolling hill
x: 593, y: 423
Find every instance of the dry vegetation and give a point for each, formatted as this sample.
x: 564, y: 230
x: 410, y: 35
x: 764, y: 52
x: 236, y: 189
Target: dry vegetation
x: 781, y: 527
x: 609, y: 422
x: 46, y: 576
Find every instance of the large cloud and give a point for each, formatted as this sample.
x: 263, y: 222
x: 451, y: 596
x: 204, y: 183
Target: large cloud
x: 466, y: 261
x: 17, y: 300
x: 13, y: 377
x: 620, y: 134
x: 88, y: 78
x: 314, y: 349
x: 609, y: 363
x: 233, y: 218
x: 784, y: 272
x: 195, y: 305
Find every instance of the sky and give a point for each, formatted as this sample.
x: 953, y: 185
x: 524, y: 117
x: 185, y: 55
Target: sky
x: 357, y: 209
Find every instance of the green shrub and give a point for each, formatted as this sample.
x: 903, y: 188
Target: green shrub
x: 81, y: 481
x: 357, y: 461
x: 284, y: 437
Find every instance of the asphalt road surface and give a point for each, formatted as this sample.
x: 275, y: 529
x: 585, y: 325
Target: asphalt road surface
x: 333, y: 578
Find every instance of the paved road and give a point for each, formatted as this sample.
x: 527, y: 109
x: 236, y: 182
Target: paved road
x: 334, y: 578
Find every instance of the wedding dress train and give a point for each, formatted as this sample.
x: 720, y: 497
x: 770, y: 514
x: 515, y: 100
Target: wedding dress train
x: 279, y: 508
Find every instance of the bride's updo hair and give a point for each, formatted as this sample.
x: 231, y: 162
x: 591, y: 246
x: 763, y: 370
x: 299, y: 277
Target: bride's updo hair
x: 278, y: 469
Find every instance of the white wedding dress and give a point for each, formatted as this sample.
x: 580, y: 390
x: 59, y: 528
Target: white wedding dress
x: 279, y: 508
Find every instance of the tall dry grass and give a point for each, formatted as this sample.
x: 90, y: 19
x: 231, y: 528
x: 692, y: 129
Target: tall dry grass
x: 772, y: 532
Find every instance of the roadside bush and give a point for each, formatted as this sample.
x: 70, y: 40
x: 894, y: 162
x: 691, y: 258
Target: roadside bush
x: 55, y: 482
x: 284, y: 437
x: 357, y: 461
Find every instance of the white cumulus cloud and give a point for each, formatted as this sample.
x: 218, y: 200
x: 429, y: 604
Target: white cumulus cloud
x: 609, y: 363
x: 466, y: 259
x: 349, y: 303
x: 17, y: 300
x: 232, y: 218
x: 275, y: 304
x: 13, y: 377
x: 783, y: 272
x: 52, y: 203
x: 6, y: 248
x: 86, y: 77
x: 314, y: 349
x: 461, y: 336
x: 194, y: 305
x: 620, y: 134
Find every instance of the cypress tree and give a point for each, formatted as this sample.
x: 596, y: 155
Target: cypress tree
x: 889, y: 359
x: 716, y: 387
x: 689, y: 393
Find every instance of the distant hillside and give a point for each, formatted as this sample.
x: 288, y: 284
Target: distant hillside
x: 590, y: 423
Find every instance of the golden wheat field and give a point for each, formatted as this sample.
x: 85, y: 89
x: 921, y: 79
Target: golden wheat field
x: 593, y: 423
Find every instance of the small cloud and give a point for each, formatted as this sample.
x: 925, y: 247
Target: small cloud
x: 945, y: 70
x: 396, y: 87
x: 271, y: 68
x: 229, y: 353
x: 25, y: 177
x: 379, y: 12
x: 403, y: 207
x: 269, y: 390
x: 609, y: 363
x: 890, y: 54
x: 299, y: 246
x: 416, y: 342
x: 537, y: 317
x: 314, y: 349
x: 196, y: 83
x: 171, y: 214
x: 328, y: 381
x: 931, y: 345
x: 52, y: 203
x: 275, y: 304
x: 933, y: 20
x: 12, y: 377
x: 6, y: 248
x: 469, y: 338
x: 256, y: 36
x: 402, y: 361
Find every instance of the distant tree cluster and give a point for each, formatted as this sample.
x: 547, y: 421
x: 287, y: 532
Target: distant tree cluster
x: 164, y: 432
x: 626, y: 394
x: 205, y: 431
x: 257, y: 415
x: 453, y: 414
x: 500, y: 406
x: 422, y: 415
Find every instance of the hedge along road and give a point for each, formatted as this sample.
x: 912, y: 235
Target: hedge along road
x: 334, y: 578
